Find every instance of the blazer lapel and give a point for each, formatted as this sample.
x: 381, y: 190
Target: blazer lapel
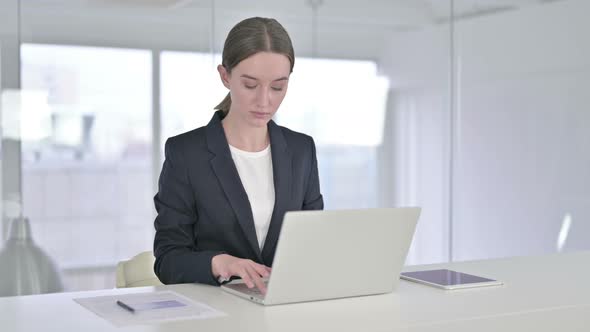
x: 227, y: 174
x: 282, y: 163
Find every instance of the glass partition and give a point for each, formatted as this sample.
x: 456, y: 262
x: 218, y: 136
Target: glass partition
x: 473, y: 111
x: 522, y: 177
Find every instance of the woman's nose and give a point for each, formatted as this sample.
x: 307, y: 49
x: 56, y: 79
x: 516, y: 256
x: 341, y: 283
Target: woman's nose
x: 263, y: 97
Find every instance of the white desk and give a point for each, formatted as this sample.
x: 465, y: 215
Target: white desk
x: 546, y: 293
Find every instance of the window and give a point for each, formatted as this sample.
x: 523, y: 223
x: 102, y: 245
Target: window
x: 86, y: 154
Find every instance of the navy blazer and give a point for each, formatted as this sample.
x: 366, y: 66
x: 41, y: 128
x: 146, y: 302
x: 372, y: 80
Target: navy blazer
x: 203, y: 209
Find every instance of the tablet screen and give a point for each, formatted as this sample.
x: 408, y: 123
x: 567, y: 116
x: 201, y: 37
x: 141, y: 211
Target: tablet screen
x: 446, y: 277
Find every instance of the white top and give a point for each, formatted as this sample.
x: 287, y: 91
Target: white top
x: 255, y: 170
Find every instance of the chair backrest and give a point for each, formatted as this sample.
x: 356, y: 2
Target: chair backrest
x: 137, y: 272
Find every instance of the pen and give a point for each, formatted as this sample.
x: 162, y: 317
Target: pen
x: 125, y: 306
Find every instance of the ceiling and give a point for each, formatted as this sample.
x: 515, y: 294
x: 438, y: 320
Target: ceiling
x: 345, y: 28
x: 392, y: 13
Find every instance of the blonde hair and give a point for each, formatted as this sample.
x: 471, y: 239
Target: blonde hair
x: 251, y: 36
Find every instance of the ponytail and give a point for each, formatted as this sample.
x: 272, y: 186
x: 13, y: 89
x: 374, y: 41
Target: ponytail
x: 225, y: 104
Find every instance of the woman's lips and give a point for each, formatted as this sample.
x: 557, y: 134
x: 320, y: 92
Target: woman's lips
x: 260, y: 115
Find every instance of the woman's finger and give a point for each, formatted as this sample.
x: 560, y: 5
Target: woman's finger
x: 256, y: 279
x: 243, y: 273
x: 261, y: 270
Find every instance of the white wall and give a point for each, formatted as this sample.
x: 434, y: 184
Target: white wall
x: 521, y: 131
x: 524, y: 131
x: 417, y: 64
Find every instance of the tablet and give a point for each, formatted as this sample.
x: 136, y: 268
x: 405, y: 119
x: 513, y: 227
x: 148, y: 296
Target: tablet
x: 448, y: 279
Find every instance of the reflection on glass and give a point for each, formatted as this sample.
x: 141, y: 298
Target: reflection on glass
x: 564, y: 231
x: 86, y: 156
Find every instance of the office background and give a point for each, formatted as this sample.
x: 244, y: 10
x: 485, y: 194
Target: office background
x: 475, y: 110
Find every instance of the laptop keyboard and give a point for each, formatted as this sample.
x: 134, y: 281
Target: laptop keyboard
x: 244, y: 289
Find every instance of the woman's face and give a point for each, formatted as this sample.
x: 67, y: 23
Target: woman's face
x: 257, y: 85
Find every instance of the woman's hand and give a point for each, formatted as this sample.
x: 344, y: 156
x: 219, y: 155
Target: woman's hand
x: 227, y: 266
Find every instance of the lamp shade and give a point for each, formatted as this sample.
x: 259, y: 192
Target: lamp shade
x: 25, y: 268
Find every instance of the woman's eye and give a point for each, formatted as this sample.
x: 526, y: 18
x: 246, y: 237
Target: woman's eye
x: 250, y: 86
x: 277, y: 88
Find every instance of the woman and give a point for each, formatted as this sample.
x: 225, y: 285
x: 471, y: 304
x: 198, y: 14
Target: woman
x: 224, y: 188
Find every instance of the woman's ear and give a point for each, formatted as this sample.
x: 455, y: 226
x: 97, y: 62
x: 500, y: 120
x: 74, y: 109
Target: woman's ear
x: 223, y: 75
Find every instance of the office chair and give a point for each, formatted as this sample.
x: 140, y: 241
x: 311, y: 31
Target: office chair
x: 137, y: 272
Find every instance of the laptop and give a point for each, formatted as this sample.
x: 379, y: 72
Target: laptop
x: 335, y: 254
